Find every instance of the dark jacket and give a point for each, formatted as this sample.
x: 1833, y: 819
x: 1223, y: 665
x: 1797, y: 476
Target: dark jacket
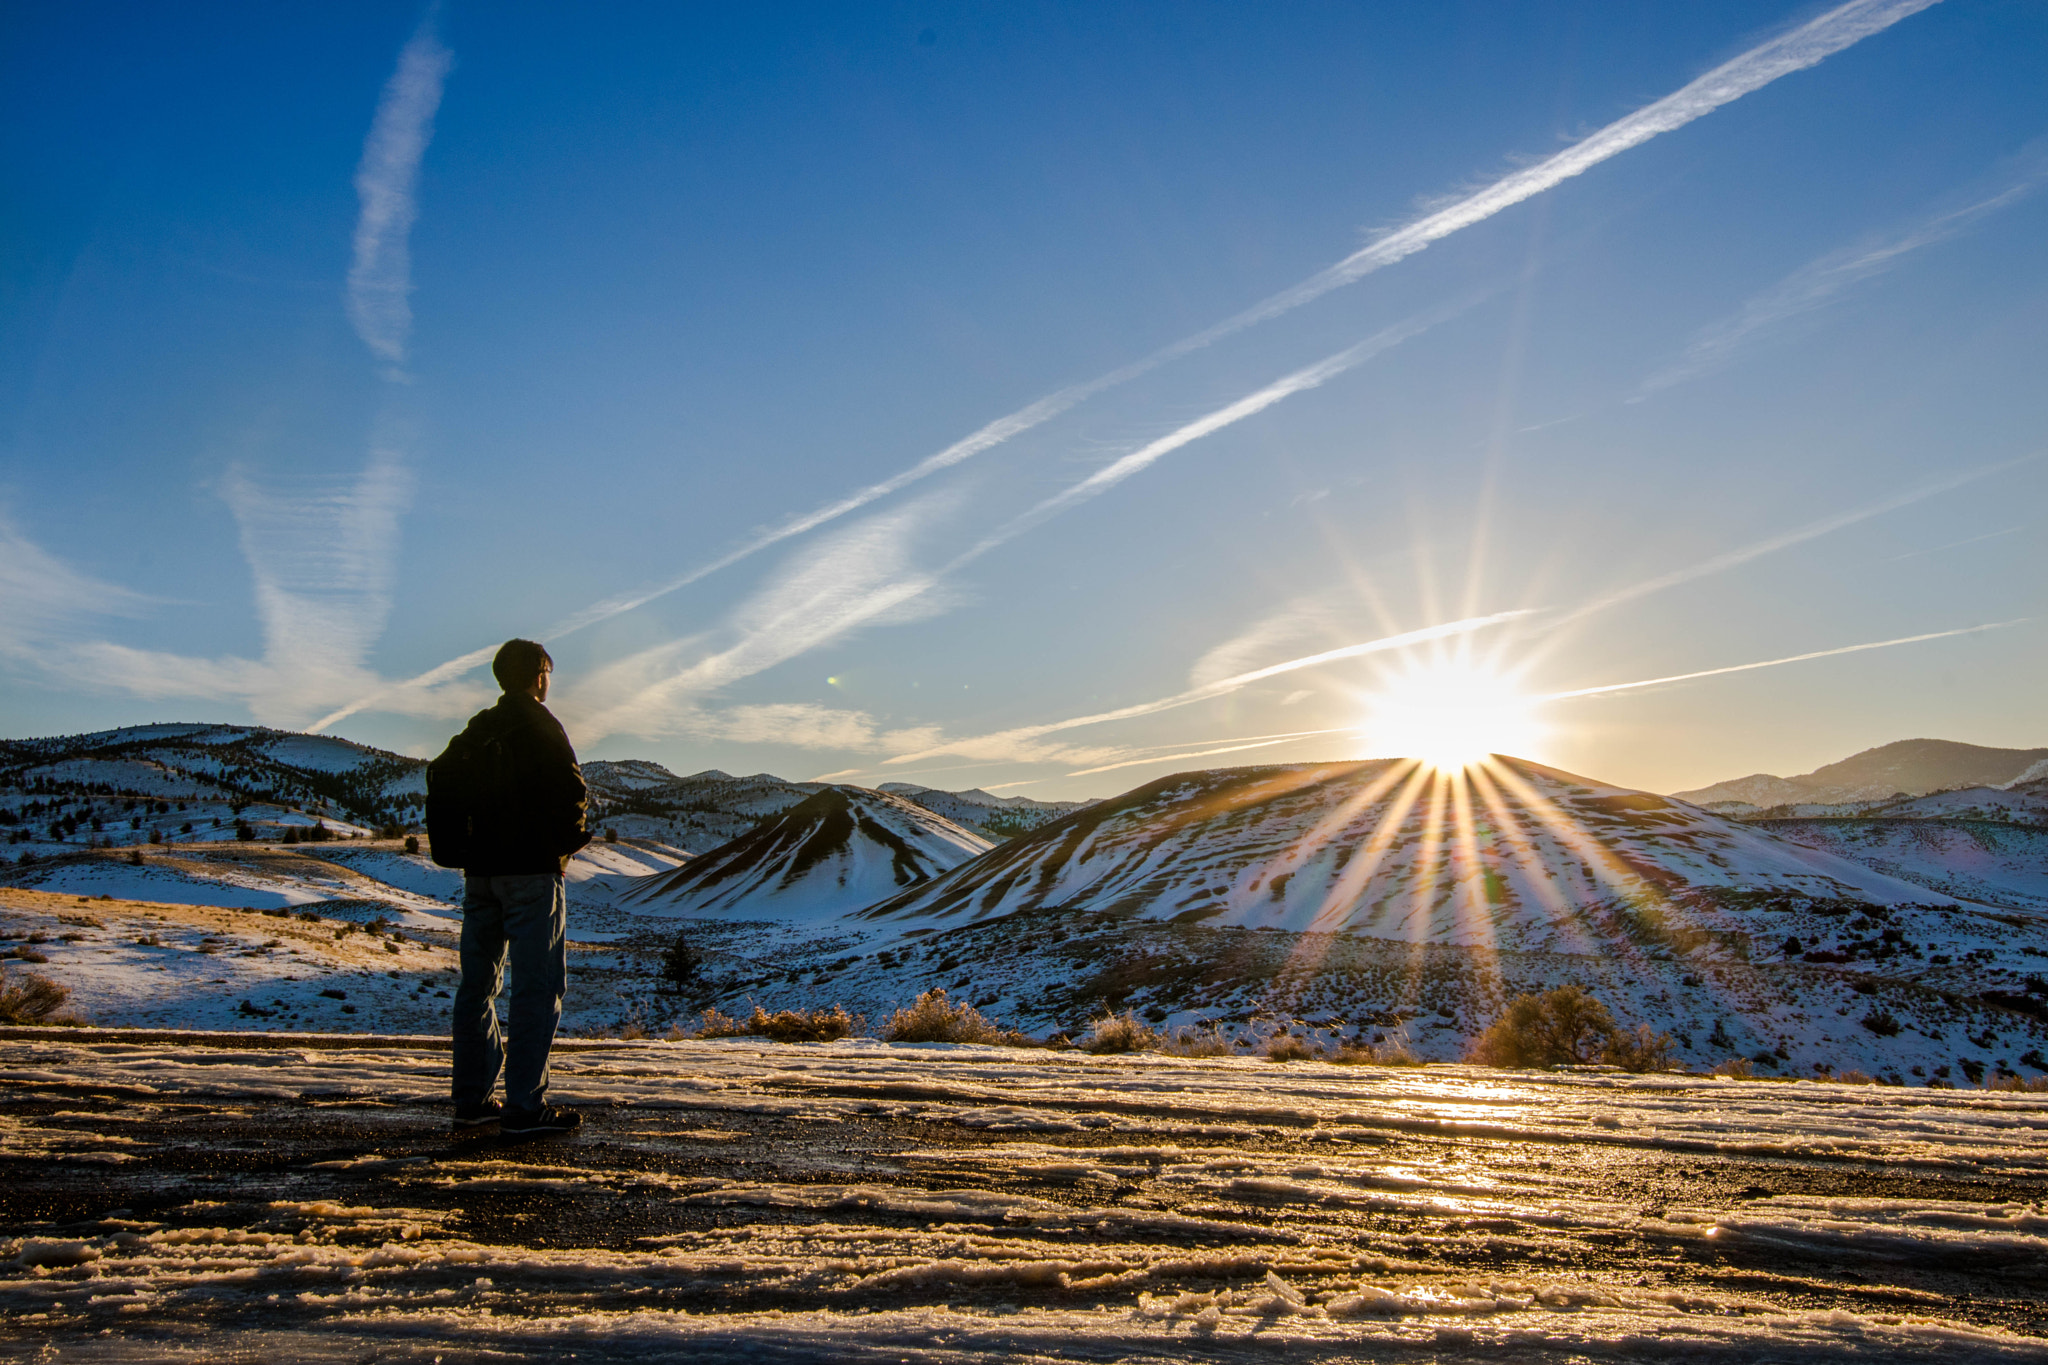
x: 538, y: 823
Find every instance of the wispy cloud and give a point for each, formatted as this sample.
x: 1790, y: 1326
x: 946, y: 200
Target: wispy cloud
x: 1823, y: 281
x: 42, y: 599
x: 379, y: 295
x: 321, y: 561
x: 862, y: 576
x: 1773, y: 663
x: 323, y: 564
x: 1800, y: 48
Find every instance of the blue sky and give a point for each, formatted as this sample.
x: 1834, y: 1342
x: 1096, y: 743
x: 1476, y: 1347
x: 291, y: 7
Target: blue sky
x: 340, y: 344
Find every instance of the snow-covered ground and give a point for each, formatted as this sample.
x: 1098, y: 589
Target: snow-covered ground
x: 282, y: 1197
x: 1977, y: 860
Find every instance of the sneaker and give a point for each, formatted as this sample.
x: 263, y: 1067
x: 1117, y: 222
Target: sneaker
x: 472, y: 1116
x: 549, y: 1118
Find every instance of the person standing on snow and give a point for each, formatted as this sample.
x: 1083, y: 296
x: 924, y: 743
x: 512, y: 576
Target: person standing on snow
x: 505, y: 803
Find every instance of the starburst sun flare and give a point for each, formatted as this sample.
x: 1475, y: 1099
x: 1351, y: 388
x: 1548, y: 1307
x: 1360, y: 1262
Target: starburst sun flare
x: 1450, y: 714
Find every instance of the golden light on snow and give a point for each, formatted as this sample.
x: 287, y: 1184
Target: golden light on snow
x: 1450, y: 713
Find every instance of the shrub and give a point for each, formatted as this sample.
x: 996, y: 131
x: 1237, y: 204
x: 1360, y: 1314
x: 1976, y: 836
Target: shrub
x: 1854, y: 1078
x: 936, y: 1019
x: 1738, y: 1068
x: 2034, y: 1086
x: 1119, y: 1033
x: 1375, y: 1054
x: 1881, y: 1022
x: 783, y: 1026
x: 412, y: 843
x: 1562, y: 1026
x: 31, y: 1000
x: 29, y: 955
x: 1188, y: 1041
x: 716, y: 1025
x: 1639, y: 1051
x: 1285, y: 1047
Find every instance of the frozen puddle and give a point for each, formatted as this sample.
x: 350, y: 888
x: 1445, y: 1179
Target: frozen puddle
x: 279, y: 1198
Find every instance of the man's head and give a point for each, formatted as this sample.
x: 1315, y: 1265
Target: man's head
x: 523, y: 666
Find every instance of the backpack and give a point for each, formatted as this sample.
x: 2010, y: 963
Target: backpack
x: 466, y: 787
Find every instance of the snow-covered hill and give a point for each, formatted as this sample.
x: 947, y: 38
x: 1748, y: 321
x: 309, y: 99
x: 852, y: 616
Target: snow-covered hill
x: 1384, y: 849
x: 226, y: 765
x: 1910, y: 767
x: 995, y: 817
x: 838, y: 850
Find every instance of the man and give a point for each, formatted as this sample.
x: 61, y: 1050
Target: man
x: 523, y: 803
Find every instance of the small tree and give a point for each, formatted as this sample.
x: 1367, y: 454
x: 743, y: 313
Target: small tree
x: 412, y: 843
x: 682, y: 962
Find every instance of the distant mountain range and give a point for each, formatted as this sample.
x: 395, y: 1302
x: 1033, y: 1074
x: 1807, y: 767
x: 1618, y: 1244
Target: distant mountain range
x: 1908, y: 768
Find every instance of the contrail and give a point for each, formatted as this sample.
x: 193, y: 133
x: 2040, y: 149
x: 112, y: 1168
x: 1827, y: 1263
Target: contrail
x: 1788, y: 659
x: 1225, y: 685
x: 1805, y: 46
x: 1956, y: 544
x: 1820, y: 282
x: 1206, y: 753
x: 380, y: 277
x: 1811, y: 531
x: 1309, y: 377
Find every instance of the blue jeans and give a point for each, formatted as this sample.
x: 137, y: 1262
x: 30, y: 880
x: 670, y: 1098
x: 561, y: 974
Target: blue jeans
x: 530, y: 915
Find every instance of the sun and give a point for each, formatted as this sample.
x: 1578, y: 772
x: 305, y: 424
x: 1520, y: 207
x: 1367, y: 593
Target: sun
x: 1451, y: 714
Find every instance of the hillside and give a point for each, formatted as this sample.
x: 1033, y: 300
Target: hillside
x: 1377, y: 848
x: 641, y: 799
x: 1910, y: 767
x: 1347, y: 900
x: 834, y: 852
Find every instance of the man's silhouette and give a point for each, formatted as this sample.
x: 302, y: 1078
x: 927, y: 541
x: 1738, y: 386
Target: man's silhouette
x: 525, y: 820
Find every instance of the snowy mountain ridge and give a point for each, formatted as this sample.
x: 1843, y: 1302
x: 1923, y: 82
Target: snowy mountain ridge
x: 1906, y: 768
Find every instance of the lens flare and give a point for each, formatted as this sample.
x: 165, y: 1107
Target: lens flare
x: 1449, y: 714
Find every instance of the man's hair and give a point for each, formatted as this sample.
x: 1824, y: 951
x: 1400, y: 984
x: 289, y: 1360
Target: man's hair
x: 519, y: 664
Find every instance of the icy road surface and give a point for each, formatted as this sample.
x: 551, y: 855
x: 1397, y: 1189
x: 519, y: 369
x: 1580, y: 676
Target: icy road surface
x: 297, y: 1197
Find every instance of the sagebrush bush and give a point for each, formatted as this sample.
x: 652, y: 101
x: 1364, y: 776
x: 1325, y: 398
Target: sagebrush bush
x: 1119, y: 1033
x: 1567, y: 1027
x: 937, y: 1019
x: 1854, y: 1078
x: 30, y: 999
x: 1736, y: 1068
x: 1285, y: 1047
x: 2037, y: 1084
x: 1374, y: 1054
x: 783, y: 1026
x: 1189, y: 1041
